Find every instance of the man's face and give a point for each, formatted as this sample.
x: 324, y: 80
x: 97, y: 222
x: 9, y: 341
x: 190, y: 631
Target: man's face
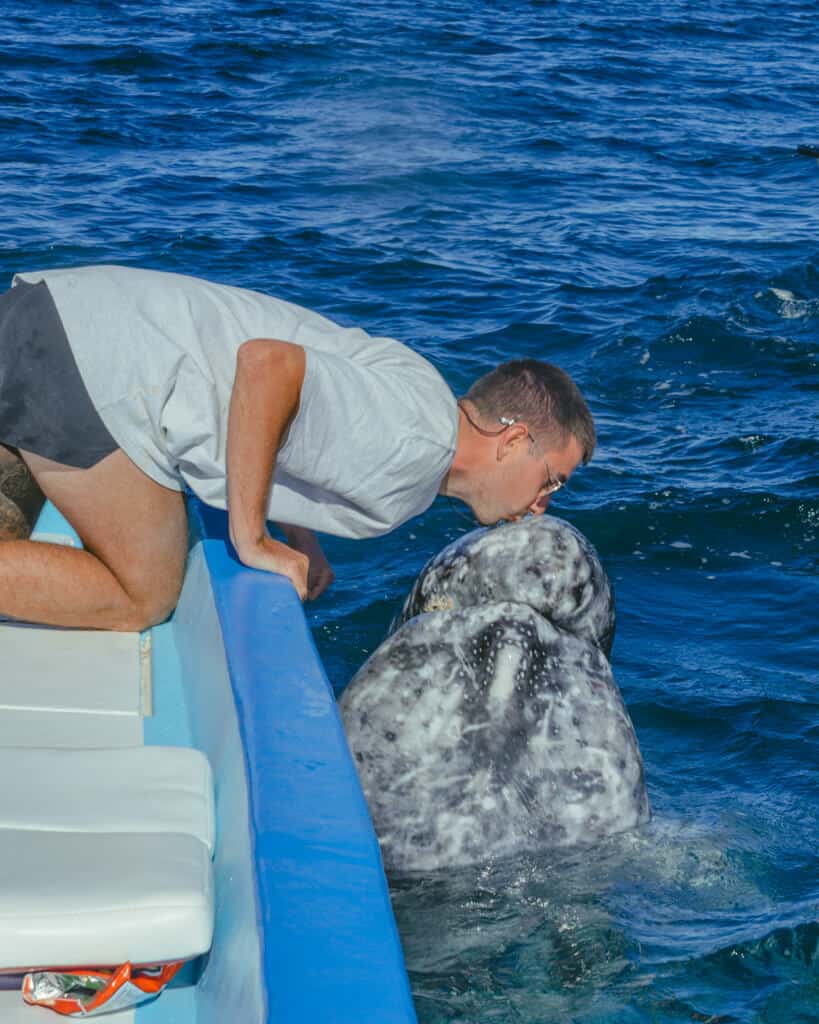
x: 519, y: 479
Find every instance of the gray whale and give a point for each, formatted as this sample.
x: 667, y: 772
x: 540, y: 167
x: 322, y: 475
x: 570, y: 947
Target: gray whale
x: 489, y: 722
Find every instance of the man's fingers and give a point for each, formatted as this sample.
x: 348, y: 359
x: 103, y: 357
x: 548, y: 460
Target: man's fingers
x: 298, y: 580
x: 320, y: 583
x: 273, y: 556
x: 308, y: 570
x: 297, y: 573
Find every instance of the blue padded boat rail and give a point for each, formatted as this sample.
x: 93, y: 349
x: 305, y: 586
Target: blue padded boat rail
x: 330, y: 948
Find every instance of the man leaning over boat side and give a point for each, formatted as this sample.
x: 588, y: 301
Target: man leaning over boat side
x: 120, y: 388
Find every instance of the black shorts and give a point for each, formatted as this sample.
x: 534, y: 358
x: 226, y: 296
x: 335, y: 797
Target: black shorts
x: 44, y: 405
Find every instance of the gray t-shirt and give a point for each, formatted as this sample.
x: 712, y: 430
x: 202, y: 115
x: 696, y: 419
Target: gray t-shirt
x: 376, y: 427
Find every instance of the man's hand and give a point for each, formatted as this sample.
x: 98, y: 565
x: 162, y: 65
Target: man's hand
x: 301, y: 560
x: 273, y: 556
x: 319, y: 574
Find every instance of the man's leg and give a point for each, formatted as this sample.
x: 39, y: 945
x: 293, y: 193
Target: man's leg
x: 135, y: 536
x: 20, y: 497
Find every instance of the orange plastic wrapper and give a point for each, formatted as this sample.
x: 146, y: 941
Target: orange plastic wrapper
x: 93, y: 991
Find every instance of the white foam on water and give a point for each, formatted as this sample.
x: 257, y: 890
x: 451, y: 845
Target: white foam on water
x: 793, y: 308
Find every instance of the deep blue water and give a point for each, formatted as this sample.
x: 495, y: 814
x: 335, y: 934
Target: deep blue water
x: 616, y: 188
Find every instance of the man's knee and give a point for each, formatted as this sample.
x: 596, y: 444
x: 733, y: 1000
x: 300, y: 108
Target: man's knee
x: 20, y: 497
x: 151, y: 606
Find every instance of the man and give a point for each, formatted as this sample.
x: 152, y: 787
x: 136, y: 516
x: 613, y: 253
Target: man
x: 119, y: 387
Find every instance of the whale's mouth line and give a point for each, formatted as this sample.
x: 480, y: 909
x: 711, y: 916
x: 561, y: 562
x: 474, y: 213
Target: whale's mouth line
x: 470, y: 518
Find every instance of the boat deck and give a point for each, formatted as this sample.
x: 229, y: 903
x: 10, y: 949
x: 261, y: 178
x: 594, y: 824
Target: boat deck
x: 97, y: 699
x: 304, y: 929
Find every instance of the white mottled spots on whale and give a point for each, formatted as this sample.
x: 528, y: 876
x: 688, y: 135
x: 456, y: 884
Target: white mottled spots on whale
x: 507, y: 728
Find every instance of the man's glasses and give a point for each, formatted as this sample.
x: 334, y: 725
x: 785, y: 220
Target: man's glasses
x: 552, y: 484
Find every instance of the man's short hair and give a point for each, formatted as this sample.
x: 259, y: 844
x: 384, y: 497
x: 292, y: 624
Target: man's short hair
x: 540, y: 395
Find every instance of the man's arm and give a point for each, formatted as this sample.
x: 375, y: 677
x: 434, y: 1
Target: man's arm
x: 263, y: 402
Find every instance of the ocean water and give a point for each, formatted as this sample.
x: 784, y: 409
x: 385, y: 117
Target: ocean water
x: 616, y: 188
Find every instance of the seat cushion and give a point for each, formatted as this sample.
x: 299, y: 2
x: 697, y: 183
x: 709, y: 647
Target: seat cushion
x: 70, y: 688
x: 132, y: 789
x: 74, y: 898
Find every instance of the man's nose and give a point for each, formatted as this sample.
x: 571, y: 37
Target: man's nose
x: 538, y: 506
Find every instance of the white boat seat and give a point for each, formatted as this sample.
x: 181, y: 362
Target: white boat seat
x: 105, y: 856
x: 80, y: 898
x: 130, y: 789
x: 70, y: 688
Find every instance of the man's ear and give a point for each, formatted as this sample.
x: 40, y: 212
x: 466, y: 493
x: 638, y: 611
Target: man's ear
x: 510, y: 440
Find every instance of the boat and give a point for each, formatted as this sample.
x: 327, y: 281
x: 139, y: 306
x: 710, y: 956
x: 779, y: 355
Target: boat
x: 188, y: 794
